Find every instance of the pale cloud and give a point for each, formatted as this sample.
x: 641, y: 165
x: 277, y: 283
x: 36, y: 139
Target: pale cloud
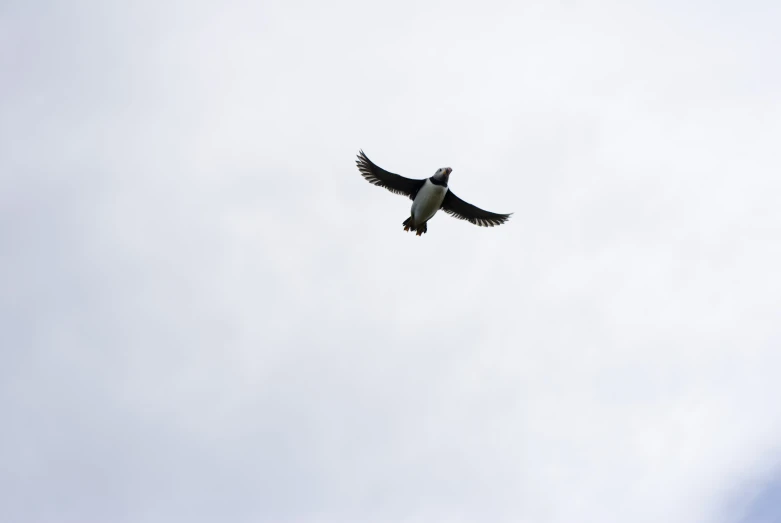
x: 210, y: 316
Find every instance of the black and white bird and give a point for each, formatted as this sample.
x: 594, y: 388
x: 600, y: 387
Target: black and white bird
x: 428, y: 196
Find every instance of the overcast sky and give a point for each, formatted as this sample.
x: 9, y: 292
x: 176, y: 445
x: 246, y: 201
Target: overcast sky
x: 207, y: 315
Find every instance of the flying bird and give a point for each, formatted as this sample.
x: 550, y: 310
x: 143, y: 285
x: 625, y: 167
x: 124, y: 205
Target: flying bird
x: 428, y: 196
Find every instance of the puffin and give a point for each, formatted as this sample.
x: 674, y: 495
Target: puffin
x: 428, y: 196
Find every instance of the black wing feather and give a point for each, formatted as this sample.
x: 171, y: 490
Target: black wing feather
x: 458, y: 208
x: 382, y: 178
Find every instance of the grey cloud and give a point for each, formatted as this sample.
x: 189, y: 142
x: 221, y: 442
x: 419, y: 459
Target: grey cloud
x: 209, y: 315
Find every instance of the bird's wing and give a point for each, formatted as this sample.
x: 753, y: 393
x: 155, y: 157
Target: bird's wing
x: 393, y: 182
x: 458, y: 208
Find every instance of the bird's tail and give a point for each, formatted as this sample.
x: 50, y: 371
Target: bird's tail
x: 409, y: 225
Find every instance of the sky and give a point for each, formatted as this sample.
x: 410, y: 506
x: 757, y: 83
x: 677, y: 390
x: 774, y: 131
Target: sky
x: 208, y: 315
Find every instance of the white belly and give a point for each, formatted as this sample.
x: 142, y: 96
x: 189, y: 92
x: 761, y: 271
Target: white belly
x: 427, y: 202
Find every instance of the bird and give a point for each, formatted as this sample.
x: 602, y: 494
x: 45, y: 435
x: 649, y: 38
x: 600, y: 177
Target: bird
x: 428, y: 196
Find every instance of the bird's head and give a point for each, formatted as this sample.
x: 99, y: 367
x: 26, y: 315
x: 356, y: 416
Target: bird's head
x: 443, y: 173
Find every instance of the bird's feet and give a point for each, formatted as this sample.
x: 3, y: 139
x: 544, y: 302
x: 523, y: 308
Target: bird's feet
x: 421, y: 229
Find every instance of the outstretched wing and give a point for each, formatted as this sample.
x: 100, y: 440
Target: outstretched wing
x: 382, y: 178
x: 458, y: 208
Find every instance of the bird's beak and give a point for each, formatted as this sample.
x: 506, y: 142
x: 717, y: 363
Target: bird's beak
x: 448, y: 171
